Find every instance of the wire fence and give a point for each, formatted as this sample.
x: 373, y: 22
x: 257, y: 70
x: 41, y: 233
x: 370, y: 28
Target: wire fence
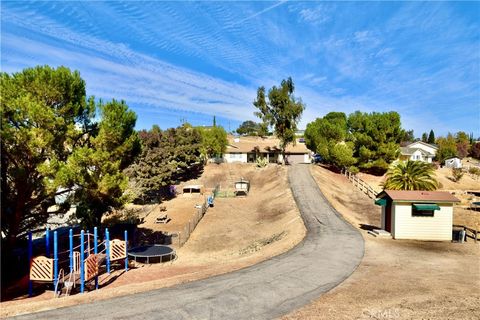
x: 180, y: 237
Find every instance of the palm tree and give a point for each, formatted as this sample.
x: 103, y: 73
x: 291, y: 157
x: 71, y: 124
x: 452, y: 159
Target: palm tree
x: 411, y: 175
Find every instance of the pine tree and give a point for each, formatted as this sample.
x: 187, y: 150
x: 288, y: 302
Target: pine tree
x: 431, y: 137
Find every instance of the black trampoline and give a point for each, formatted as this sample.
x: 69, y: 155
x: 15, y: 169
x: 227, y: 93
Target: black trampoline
x: 155, y: 252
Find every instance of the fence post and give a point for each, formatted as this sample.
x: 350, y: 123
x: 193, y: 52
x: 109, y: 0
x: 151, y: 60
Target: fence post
x: 95, y: 251
x: 70, y: 238
x: 30, y: 254
x: 107, y: 249
x: 82, y: 272
x: 126, y: 251
x: 47, y: 242
x: 55, y: 259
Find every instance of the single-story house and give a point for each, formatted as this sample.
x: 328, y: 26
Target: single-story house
x: 418, y: 151
x: 453, y: 162
x: 419, y: 215
x: 249, y: 149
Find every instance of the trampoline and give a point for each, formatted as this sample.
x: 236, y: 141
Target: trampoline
x: 155, y: 252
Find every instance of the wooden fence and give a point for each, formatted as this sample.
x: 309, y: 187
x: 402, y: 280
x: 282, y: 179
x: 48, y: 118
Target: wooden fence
x: 469, y: 232
x: 360, y: 184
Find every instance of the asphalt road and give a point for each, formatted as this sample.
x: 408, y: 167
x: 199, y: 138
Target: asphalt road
x: 330, y: 252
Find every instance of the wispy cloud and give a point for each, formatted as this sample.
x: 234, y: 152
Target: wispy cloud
x: 209, y: 58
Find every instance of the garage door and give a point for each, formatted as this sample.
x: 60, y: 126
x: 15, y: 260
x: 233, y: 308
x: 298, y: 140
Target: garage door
x: 295, y: 158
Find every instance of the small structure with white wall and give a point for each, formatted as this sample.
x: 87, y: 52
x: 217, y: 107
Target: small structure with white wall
x: 454, y: 162
x: 418, y: 215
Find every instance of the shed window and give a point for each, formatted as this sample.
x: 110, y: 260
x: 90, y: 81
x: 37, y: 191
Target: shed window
x: 424, y: 210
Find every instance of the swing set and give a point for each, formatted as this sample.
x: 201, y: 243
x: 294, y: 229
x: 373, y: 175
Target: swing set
x: 81, y: 263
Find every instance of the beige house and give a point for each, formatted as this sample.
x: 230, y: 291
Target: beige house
x: 419, y: 215
x: 418, y: 151
x: 248, y: 149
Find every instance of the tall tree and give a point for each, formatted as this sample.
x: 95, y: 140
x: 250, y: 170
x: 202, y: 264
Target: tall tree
x: 282, y: 111
x: 377, y: 138
x: 97, y: 168
x: 463, y: 144
x: 408, y: 137
x: 431, y: 137
x: 214, y: 142
x: 167, y: 156
x: 44, y: 116
x: 214, y: 121
x: 424, y: 137
x: 323, y: 135
x: 447, y: 147
x: 411, y: 175
x: 475, y: 150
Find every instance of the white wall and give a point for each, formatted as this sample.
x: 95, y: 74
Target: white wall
x: 235, y: 157
x: 438, y: 227
x: 418, y: 156
x: 418, y: 145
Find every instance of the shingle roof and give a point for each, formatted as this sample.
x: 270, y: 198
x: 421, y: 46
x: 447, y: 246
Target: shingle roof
x: 406, y: 151
x: 418, y: 196
x: 259, y: 144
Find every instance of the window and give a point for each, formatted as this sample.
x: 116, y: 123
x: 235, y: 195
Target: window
x: 424, y: 209
x: 422, y: 213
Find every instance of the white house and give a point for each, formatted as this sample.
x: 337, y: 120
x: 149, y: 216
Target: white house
x: 419, y: 215
x: 248, y: 149
x: 418, y: 151
x: 453, y: 162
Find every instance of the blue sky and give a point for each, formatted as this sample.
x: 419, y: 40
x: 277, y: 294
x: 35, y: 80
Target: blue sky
x: 188, y: 61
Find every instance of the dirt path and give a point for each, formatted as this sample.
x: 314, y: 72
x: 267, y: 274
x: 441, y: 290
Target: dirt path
x: 330, y: 252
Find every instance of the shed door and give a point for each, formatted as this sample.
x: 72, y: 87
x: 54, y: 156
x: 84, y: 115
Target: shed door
x: 388, y: 217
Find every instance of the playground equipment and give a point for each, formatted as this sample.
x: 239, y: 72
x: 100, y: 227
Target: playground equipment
x: 83, y: 265
x: 148, y: 252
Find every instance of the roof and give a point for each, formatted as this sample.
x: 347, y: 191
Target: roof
x: 418, y: 196
x: 409, y: 151
x: 452, y: 158
x: 262, y: 144
x: 425, y: 144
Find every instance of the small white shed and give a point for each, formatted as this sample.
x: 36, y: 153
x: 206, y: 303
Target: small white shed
x: 453, y: 162
x: 418, y: 215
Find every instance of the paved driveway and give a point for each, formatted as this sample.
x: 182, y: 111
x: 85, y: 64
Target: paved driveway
x: 329, y: 253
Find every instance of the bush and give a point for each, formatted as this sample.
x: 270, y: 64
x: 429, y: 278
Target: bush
x: 474, y: 171
x: 261, y: 162
x: 353, y: 169
x: 457, y: 174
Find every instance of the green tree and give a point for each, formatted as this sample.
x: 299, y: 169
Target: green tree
x: 447, y: 148
x: 424, y: 137
x: 431, y: 137
x: 282, y: 111
x: 214, y: 142
x: 323, y: 135
x: 214, y: 121
x: 167, y: 156
x: 463, y: 144
x: 377, y: 138
x: 408, y: 137
x: 411, y: 175
x: 44, y: 116
x: 97, y: 168
x: 250, y: 128
x: 342, y: 155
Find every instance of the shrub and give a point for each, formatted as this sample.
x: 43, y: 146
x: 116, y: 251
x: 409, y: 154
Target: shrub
x: 353, y: 169
x: 474, y: 171
x: 261, y: 162
x: 457, y: 174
